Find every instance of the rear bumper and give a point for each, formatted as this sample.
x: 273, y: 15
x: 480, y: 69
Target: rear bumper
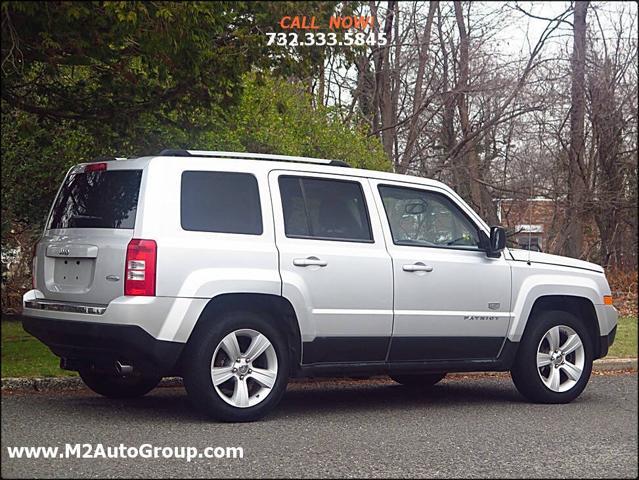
x: 149, y: 313
x: 103, y: 344
x: 164, y: 318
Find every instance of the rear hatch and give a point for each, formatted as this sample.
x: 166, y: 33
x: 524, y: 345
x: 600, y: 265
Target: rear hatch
x: 81, y: 255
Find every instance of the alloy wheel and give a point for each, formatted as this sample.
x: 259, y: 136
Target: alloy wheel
x: 560, y: 358
x: 244, y: 368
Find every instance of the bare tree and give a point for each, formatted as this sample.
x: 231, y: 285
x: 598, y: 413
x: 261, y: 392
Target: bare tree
x: 418, y: 96
x: 383, y: 92
x: 576, y: 168
x: 556, y: 119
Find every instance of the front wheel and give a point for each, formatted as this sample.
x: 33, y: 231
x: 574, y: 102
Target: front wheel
x: 118, y: 386
x: 237, y: 370
x: 425, y: 380
x: 555, y: 358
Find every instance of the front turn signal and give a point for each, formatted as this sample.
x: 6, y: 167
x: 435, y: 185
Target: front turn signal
x: 607, y: 299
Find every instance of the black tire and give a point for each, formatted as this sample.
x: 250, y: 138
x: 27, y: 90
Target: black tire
x: 197, y: 366
x: 525, y: 374
x: 424, y: 380
x: 114, y: 386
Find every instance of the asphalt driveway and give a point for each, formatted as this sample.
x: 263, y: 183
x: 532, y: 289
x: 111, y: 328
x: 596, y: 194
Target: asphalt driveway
x: 467, y: 426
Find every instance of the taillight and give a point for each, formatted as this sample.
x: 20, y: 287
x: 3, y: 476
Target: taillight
x: 139, y: 270
x: 95, y: 167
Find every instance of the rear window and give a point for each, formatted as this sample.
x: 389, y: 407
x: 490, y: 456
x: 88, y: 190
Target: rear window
x: 224, y: 202
x: 101, y: 199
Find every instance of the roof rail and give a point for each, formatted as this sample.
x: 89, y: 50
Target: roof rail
x: 251, y: 156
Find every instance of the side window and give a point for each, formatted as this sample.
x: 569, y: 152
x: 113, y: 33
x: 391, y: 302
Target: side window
x: 422, y: 218
x: 324, y: 209
x: 224, y: 202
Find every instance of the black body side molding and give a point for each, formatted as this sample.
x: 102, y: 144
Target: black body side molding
x: 325, y: 365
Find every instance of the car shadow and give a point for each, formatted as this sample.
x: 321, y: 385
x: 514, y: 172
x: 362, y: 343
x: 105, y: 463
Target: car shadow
x: 362, y: 398
x: 309, y: 399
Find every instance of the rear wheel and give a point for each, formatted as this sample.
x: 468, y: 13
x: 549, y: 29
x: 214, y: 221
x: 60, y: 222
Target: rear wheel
x: 118, y: 386
x: 237, y: 370
x: 554, y: 360
x: 425, y: 380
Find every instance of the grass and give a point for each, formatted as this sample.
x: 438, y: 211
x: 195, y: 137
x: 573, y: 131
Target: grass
x: 626, y: 339
x: 24, y: 356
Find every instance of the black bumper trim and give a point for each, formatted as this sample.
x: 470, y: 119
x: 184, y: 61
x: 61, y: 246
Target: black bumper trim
x: 605, y: 342
x: 105, y: 342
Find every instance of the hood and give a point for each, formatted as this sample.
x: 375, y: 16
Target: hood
x: 538, y: 257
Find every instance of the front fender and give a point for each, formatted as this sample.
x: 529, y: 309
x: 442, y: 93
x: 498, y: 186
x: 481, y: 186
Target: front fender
x: 534, y: 287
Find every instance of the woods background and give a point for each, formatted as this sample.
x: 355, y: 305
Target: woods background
x: 505, y: 102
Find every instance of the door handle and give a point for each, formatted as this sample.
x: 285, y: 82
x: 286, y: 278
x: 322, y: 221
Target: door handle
x: 417, y: 267
x: 309, y: 262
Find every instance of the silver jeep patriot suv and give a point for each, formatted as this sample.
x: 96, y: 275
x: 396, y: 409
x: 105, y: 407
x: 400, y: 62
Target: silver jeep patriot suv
x: 237, y: 271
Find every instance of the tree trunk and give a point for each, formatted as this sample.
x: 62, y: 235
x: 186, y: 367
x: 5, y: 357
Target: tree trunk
x: 468, y: 154
x: 607, y: 131
x: 321, y: 88
x: 576, y: 185
x: 383, y: 84
x: 447, y: 128
x: 418, y: 95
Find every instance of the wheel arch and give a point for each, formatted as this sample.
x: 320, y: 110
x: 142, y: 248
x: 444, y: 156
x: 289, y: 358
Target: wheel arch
x: 581, y: 307
x: 277, y: 307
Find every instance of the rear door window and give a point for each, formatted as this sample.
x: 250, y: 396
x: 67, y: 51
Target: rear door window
x: 224, y: 202
x: 324, y: 209
x: 99, y: 199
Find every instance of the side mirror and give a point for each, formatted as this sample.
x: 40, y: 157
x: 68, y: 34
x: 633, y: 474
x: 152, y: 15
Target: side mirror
x: 496, y: 243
